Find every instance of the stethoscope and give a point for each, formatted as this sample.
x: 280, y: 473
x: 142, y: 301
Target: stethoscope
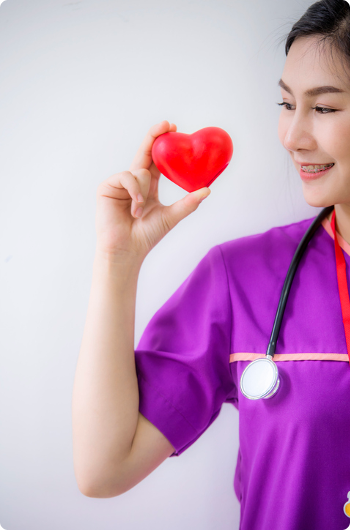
x: 260, y: 379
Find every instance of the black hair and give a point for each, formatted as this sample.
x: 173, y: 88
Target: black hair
x: 329, y: 21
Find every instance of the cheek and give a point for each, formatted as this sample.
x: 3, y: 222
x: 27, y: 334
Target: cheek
x: 338, y: 139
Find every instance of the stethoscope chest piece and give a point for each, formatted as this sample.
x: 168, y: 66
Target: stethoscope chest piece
x: 260, y: 379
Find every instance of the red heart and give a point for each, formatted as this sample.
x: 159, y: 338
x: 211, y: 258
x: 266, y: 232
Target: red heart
x: 193, y: 161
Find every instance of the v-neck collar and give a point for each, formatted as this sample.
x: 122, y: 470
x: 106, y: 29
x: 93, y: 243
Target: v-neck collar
x: 342, y: 243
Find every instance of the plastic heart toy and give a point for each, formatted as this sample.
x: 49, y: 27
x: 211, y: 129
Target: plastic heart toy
x: 193, y: 161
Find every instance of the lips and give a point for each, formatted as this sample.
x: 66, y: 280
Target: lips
x: 312, y: 175
x: 313, y: 163
x: 315, y: 169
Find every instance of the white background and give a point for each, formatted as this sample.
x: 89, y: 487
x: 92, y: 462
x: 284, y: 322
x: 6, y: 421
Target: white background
x: 81, y: 83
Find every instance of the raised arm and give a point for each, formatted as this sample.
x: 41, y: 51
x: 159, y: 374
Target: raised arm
x: 114, y: 446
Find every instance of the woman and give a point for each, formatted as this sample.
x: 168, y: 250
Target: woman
x: 133, y: 409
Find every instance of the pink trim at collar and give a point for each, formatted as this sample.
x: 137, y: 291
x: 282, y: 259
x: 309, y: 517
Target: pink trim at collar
x: 343, y: 244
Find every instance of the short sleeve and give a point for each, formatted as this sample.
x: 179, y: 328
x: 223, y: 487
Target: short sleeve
x: 183, y: 357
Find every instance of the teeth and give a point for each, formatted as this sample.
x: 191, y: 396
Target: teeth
x: 314, y: 169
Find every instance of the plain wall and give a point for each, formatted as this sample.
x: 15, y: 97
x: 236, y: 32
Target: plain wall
x: 81, y: 83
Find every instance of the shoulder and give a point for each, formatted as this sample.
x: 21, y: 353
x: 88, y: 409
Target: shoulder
x: 286, y: 235
x: 272, y: 248
x: 252, y: 259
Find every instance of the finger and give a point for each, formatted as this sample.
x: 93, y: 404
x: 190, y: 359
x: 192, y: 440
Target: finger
x: 179, y: 210
x: 155, y: 176
x: 153, y: 168
x: 124, y: 185
x: 142, y: 178
x: 143, y: 157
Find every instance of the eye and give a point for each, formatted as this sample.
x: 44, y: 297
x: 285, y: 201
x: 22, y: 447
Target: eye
x: 318, y: 109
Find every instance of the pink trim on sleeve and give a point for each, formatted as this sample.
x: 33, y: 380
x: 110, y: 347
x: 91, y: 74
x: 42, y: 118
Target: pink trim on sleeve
x: 344, y: 245
x: 245, y: 356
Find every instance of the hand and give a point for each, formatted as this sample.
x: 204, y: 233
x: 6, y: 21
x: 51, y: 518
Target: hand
x: 123, y: 232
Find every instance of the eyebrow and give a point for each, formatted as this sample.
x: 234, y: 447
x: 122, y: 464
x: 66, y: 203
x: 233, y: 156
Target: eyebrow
x: 312, y: 91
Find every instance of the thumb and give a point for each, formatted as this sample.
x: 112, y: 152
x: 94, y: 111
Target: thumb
x: 182, y: 208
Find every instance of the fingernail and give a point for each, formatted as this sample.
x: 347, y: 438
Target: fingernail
x: 138, y: 212
x: 202, y: 199
x: 139, y: 198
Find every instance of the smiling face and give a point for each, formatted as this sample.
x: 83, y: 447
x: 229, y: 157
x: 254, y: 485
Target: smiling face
x: 318, y: 137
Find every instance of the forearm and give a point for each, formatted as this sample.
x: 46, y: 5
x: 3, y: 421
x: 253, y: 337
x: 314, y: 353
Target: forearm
x: 105, y: 394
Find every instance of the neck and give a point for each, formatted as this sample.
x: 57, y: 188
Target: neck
x: 342, y: 220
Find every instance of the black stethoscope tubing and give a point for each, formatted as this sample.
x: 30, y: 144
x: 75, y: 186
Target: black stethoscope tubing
x: 272, y: 372
x: 290, y: 275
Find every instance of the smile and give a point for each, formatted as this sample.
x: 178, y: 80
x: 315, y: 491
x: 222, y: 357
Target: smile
x: 312, y: 175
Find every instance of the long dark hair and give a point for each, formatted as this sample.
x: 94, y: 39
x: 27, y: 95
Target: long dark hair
x: 330, y: 21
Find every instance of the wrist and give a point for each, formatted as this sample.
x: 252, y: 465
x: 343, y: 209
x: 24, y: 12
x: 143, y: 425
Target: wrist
x: 121, y: 260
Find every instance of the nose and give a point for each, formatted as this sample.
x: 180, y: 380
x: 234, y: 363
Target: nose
x: 298, y: 134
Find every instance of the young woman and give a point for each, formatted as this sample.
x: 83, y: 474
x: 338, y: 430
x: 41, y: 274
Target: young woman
x: 132, y: 409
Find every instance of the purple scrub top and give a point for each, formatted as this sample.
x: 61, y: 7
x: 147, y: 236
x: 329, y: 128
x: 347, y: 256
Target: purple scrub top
x: 293, y: 463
